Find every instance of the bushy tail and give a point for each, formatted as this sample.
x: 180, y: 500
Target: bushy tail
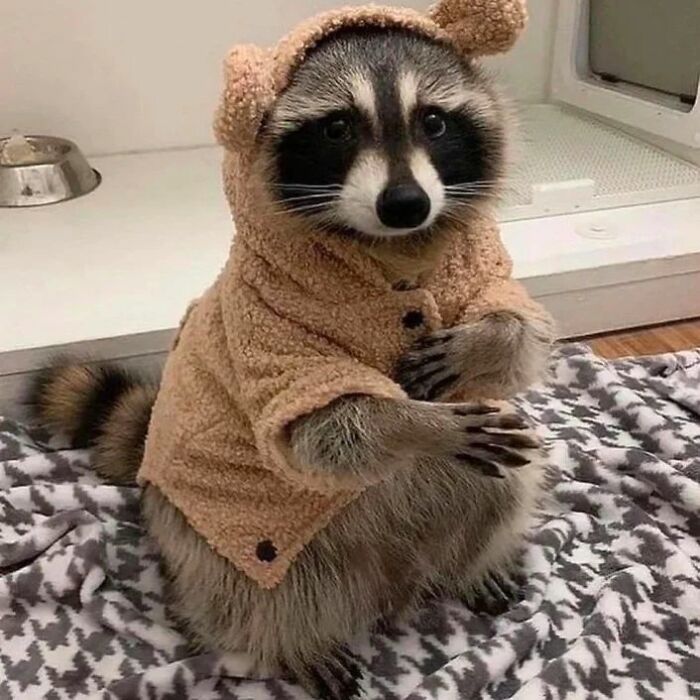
x: 97, y: 406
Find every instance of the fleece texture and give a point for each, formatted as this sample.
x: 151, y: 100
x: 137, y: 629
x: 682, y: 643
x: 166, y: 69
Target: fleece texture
x: 299, y: 318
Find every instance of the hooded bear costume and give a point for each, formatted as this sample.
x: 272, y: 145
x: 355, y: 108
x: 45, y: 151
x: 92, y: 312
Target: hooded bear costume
x: 300, y: 317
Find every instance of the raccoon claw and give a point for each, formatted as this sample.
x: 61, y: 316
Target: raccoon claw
x: 427, y: 371
x: 337, y: 679
x: 434, y: 340
x: 496, y: 595
x: 484, y: 467
x: 429, y: 386
x: 487, y: 457
x: 494, y: 440
x: 478, y: 416
x: 383, y: 626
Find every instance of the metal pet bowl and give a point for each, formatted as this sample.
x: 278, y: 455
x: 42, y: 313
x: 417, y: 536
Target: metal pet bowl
x: 43, y: 170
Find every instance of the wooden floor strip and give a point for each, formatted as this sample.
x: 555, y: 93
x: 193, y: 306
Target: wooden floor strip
x: 648, y: 341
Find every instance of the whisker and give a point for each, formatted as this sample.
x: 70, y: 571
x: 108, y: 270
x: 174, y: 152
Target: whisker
x: 452, y: 218
x: 471, y: 187
x: 463, y: 193
x: 468, y: 193
x: 304, y: 197
x: 461, y: 205
x: 483, y: 182
x: 318, y: 207
x: 314, y: 188
x: 308, y: 207
x: 501, y: 182
x: 477, y: 184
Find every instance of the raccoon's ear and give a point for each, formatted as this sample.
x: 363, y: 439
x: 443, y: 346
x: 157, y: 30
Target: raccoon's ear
x: 481, y: 27
x: 248, y: 95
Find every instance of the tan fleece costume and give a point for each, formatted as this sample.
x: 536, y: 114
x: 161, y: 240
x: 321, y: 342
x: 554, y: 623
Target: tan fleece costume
x: 300, y: 317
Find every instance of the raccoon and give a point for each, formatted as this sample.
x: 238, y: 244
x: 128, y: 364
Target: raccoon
x: 383, y: 137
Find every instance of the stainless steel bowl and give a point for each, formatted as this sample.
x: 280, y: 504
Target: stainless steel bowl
x: 55, y: 172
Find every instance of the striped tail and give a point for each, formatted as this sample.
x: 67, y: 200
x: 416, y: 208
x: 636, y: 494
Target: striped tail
x: 97, y: 406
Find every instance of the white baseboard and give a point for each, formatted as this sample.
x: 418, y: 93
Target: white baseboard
x: 624, y: 306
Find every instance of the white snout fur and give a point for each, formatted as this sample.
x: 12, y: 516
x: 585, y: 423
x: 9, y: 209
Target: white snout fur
x: 357, y: 206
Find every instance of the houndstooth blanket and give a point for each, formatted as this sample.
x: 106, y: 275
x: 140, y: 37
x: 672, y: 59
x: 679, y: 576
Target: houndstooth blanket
x: 611, y: 606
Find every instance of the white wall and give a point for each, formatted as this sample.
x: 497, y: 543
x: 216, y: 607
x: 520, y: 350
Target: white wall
x: 526, y: 70
x: 129, y: 75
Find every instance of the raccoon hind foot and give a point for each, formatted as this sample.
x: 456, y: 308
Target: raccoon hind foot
x: 337, y: 678
x: 496, y: 594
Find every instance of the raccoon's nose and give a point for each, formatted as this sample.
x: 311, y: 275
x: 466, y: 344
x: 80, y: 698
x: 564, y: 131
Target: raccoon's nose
x: 403, y: 206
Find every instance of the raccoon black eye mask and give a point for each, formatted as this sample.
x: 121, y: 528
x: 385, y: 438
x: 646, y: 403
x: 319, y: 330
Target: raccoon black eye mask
x: 406, y: 136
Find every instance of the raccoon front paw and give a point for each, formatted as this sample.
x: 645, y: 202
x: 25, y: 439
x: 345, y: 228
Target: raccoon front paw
x: 504, y: 352
x: 432, y: 367
x: 338, y: 678
x: 489, y: 439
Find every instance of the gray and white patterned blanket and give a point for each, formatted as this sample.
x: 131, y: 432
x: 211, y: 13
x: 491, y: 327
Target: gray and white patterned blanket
x: 611, y: 606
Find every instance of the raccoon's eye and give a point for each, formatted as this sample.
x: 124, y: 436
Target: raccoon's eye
x: 338, y: 130
x: 434, y: 124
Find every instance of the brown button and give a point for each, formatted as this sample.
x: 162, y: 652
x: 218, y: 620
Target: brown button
x: 266, y: 551
x: 413, y: 319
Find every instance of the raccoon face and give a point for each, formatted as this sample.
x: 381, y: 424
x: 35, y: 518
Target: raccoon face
x: 385, y: 134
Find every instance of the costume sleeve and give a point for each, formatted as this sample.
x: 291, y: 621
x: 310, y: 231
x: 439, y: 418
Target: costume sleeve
x: 285, y: 371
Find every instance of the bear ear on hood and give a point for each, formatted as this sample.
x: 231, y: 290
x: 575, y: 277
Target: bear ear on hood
x: 481, y: 27
x: 248, y: 95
